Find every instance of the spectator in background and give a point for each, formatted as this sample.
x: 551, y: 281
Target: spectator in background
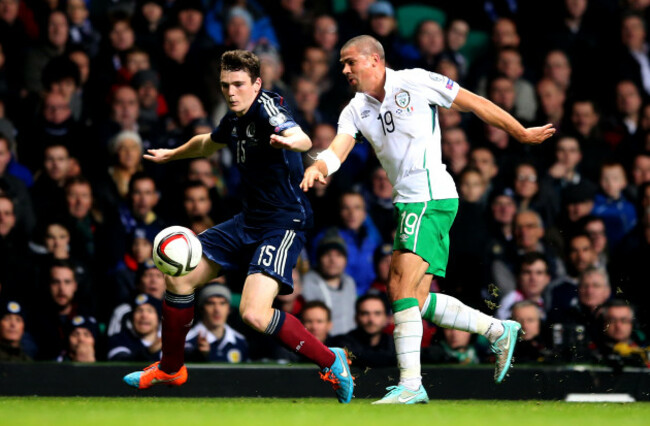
x: 271, y: 72
x: 551, y: 103
x: 381, y: 262
x: 633, y: 57
x: 132, y: 268
x: 370, y: 345
x: 143, y: 343
x: 60, y: 304
x: 326, y: 36
x: 430, y: 44
x: 82, y: 32
x: 152, y: 106
x: 15, y: 281
x: 48, y: 194
x: 619, y: 335
x: 360, y: 236
x: 454, y: 347
x: 565, y: 171
x: 148, y: 280
x: 585, y: 123
x: 456, y: 36
x: 533, y: 347
x: 84, y: 222
x: 147, y: 22
x: 578, y: 203
x: 53, y: 45
x: 82, y: 333
x: 197, y: 204
x: 455, y: 149
x: 383, y: 27
x: 14, y: 187
x: 640, y: 172
x: 329, y: 283
x: 292, y: 303
x: 126, y: 152
x: 308, y: 113
x: 533, y: 279
x: 212, y: 339
x: 624, y: 127
x: 317, y: 319
x: 595, y: 228
x: 501, y: 228
x: 483, y: 160
x: 12, y: 330
x: 379, y: 202
x: 124, y: 116
x: 611, y: 205
x: 557, y: 68
x: 191, y: 16
x: 533, y: 194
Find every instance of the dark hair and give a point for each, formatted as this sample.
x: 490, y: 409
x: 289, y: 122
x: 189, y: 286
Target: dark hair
x: 77, y: 180
x: 618, y: 303
x: 58, y: 69
x: 62, y: 263
x: 195, y: 184
x: 139, y: 176
x: 316, y: 304
x: 241, y: 60
x: 532, y: 257
x: 367, y: 297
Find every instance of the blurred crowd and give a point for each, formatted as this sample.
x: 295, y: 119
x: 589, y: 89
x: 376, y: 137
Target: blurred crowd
x: 555, y: 236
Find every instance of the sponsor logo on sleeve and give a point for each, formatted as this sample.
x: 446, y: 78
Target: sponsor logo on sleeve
x: 450, y: 84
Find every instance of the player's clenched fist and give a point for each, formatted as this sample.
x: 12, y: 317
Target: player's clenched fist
x: 312, y: 174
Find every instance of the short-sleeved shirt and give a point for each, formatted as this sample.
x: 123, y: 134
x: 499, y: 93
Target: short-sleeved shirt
x: 271, y: 177
x: 404, y: 132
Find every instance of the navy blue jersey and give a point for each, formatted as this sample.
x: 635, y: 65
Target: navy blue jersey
x: 271, y: 177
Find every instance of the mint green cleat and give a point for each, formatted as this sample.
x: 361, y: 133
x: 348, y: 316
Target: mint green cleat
x: 401, y: 395
x: 504, y: 347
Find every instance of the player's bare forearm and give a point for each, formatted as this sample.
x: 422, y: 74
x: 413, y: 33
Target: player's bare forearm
x: 293, y: 139
x: 197, y: 146
x: 496, y: 116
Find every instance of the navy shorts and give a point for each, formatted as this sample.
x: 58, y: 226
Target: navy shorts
x: 236, y: 246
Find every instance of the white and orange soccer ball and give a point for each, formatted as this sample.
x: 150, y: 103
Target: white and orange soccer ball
x: 176, y: 251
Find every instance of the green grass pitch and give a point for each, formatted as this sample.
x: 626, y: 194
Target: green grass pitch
x: 309, y: 412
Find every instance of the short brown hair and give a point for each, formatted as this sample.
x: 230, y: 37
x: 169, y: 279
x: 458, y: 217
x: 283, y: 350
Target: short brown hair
x: 241, y: 60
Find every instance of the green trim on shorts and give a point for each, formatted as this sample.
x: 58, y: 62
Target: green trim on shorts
x: 423, y: 228
x: 404, y: 304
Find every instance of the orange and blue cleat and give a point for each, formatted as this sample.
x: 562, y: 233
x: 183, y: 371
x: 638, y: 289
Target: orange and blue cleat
x: 153, y: 375
x: 339, y: 375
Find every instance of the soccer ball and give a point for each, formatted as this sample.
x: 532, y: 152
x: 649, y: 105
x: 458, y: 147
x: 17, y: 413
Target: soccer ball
x: 176, y: 251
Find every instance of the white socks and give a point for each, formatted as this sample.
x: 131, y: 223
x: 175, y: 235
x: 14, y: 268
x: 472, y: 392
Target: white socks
x: 408, y: 339
x: 449, y: 312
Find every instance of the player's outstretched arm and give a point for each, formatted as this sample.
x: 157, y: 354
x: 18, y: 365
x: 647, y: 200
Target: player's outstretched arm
x: 293, y: 139
x: 490, y: 113
x: 328, y: 161
x: 198, y: 146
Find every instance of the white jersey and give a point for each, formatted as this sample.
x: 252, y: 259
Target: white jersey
x: 404, y: 131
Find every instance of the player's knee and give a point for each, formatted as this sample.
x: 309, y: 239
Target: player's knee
x: 253, y: 319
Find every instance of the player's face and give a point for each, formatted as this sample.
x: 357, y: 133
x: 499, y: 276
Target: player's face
x: 216, y: 310
x: 239, y: 90
x: 359, y: 69
x: 529, y: 318
x: 372, y: 316
x: 316, y: 322
x: 12, y: 327
x: 618, y: 323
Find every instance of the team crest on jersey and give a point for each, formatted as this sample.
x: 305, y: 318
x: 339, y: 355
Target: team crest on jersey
x: 277, y: 119
x: 234, y: 131
x: 234, y: 356
x: 402, y: 99
x: 250, y: 130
